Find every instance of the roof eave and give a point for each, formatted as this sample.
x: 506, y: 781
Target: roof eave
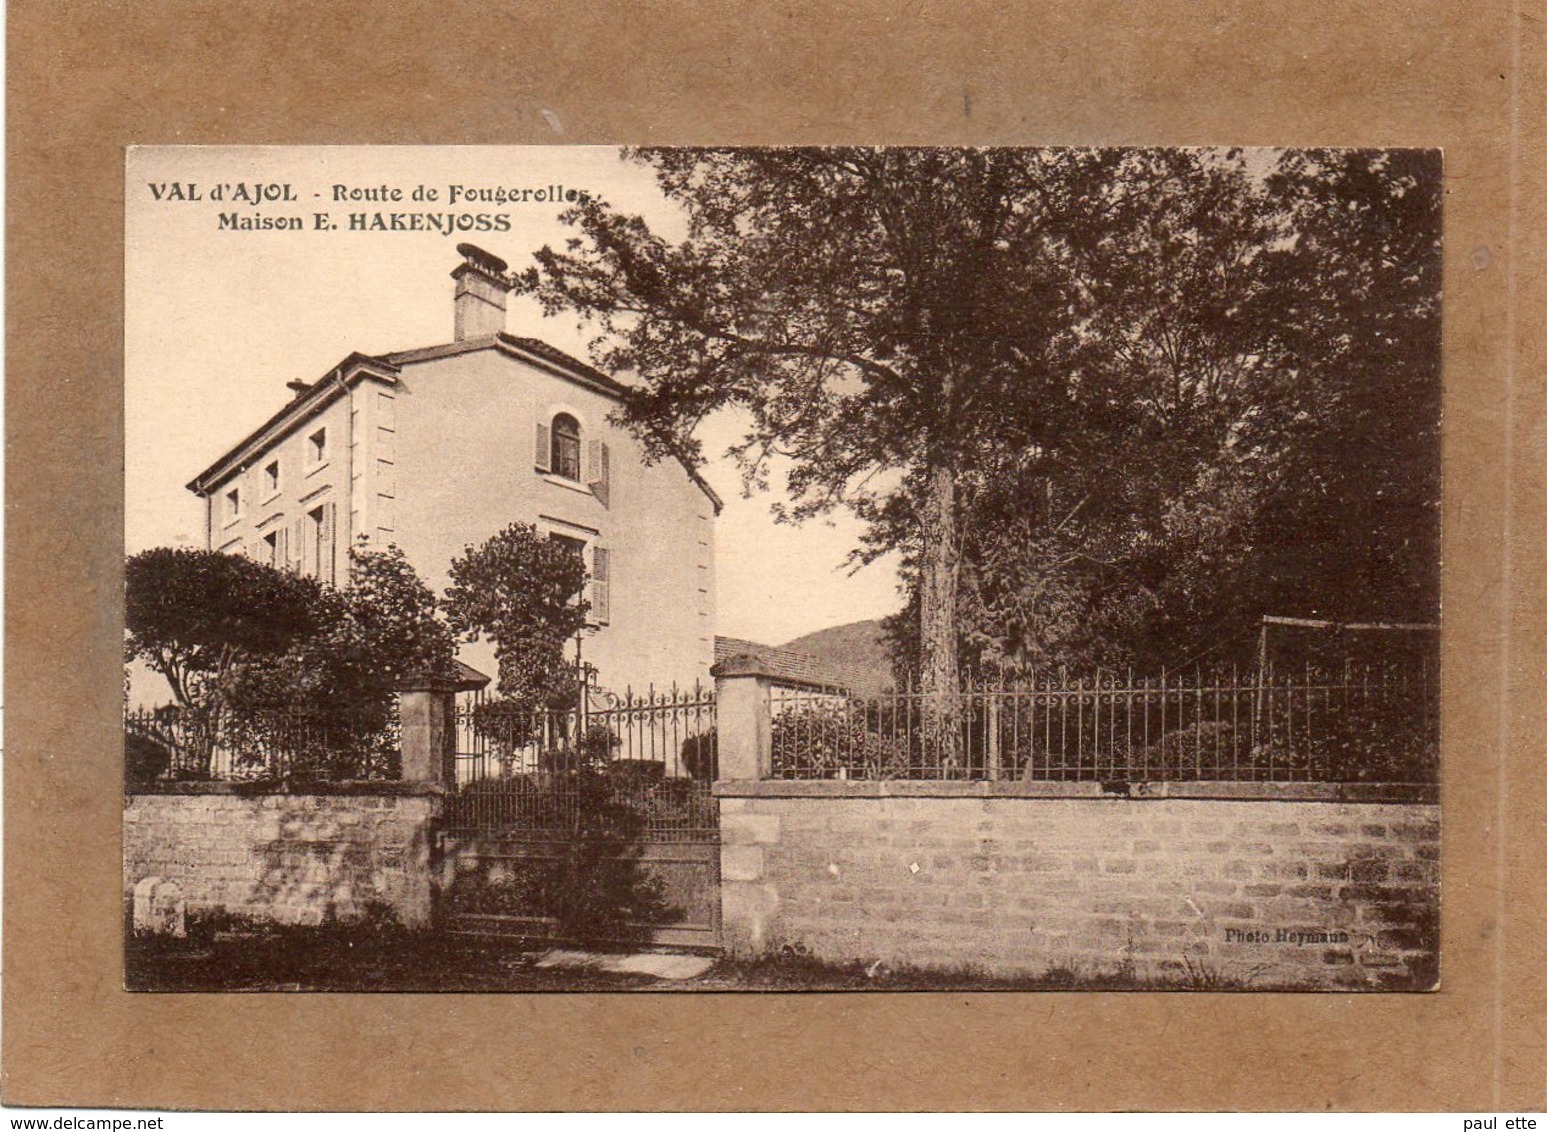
x: 353, y: 369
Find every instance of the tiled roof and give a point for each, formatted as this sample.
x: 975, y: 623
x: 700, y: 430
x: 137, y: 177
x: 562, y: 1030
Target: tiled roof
x: 785, y: 665
x: 469, y: 679
x: 536, y: 347
x: 559, y: 357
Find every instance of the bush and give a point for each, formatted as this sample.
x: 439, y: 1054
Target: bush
x: 592, y: 751
x: 700, y: 755
x: 507, y: 726
x: 145, y: 759
x: 821, y: 740
x: 638, y: 772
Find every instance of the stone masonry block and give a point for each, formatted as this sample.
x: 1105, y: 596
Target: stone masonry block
x: 741, y: 862
x: 759, y: 829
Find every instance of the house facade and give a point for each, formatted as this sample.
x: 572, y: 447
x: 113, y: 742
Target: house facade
x: 436, y: 449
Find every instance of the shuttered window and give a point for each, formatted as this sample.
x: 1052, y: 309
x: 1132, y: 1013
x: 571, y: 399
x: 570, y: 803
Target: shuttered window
x: 330, y: 534
x: 540, y: 457
x: 599, y: 471
x: 601, y: 585
x: 314, y: 541
x: 319, y: 558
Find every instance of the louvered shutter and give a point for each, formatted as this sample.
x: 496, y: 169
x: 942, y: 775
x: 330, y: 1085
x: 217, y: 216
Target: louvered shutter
x: 282, y: 555
x: 298, y: 546
x: 327, y: 556
x: 601, y: 584
x: 599, y: 471
x: 542, y: 455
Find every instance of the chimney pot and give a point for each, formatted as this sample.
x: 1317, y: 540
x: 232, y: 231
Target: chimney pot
x: 482, y: 285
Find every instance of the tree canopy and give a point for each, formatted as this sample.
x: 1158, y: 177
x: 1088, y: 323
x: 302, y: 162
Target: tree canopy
x: 1255, y: 376
x: 522, y: 591
x: 875, y: 311
x: 197, y: 616
x: 250, y: 651
x: 383, y: 626
x: 1110, y: 404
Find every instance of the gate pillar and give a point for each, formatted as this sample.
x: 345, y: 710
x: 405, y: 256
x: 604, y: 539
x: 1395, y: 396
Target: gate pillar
x: 742, y: 718
x: 427, y: 721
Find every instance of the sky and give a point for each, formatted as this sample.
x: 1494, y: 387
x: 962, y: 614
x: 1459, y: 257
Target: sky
x: 217, y: 321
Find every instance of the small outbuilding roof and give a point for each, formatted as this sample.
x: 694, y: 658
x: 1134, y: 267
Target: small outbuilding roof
x: 785, y: 666
x: 468, y: 678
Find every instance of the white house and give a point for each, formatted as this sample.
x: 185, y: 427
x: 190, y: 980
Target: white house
x: 435, y: 449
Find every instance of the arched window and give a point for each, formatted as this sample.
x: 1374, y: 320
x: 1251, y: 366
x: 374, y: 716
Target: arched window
x: 566, y: 447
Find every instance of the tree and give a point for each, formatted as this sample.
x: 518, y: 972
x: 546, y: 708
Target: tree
x: 884, y: 316
x: 238, y: 640
x: 521, y: 590
x: 197, y: 616
x: 1253, y: 414
x: 1128, y: 537
x: 201, y: 618
x: 385, y: 625
x: 1361, y: 290
x: 1101, y: 401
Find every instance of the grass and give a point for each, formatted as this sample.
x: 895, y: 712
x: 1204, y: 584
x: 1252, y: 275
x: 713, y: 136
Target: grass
x: 389, y: 959
x: 350, y: 960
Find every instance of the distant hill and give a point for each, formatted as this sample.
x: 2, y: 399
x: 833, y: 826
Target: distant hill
x: 856, y: 651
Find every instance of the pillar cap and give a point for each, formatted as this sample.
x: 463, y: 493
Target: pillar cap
x: 743, y: 664
x: 429, y: 682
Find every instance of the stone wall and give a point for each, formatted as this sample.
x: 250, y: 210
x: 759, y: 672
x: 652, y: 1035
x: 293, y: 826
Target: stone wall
x: 1304, y: 892
x: 287, y: 858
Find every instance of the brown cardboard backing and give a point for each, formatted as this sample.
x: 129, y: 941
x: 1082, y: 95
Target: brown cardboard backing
x: 87, y: 79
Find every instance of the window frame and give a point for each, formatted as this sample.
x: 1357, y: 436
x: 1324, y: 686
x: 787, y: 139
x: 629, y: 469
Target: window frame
x: 316, y: 451
x: 587, y: 542
x: 317, y: 520
x: 573, y: 446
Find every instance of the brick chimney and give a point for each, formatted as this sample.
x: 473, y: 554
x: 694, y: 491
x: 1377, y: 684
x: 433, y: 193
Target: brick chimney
x: 482, y: 284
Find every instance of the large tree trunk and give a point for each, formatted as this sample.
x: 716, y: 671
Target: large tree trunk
x: 939, y: 679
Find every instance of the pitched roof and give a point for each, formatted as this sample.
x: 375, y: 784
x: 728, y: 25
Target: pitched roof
x: 786, y: 666
x: 306, y: 402
x: 468, y: 678
x: 309, y: 399
x: 550, y: 358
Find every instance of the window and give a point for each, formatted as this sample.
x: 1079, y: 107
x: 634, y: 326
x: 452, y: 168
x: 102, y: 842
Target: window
x: 319, y: 541
x: 575, y: 546
x: 234, y: 503
x: 317, y: 446
x: 566, y: 447
x: 599, y: 583
x: 271, y: 477
x: 271, y: 549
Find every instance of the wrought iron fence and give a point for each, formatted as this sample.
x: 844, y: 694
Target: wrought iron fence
x: 669, y: 733
x: 171, y: 744
x: 1364, y: 724
x: 600, y: 802
x: 635, y: 764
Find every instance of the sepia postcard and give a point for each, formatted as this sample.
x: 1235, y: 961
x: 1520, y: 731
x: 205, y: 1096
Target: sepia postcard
x: 944, y: 618
x: 782, y: 569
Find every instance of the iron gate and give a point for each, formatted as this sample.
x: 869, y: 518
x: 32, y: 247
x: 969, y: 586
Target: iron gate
x: 591, y: 824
